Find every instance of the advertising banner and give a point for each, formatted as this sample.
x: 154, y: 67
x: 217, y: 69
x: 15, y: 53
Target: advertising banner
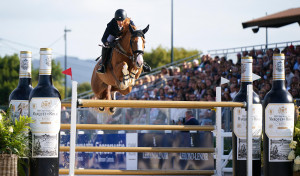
x: 145, y: 160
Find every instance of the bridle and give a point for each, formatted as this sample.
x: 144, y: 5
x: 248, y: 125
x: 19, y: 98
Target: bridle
x: 136, y: 34
x: 132, y: 56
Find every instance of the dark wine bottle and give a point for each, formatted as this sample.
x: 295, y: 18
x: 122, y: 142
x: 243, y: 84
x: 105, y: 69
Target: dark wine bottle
x: 239, y: 143
x: 45, y: 110
x: 19, y: 98
x: 278, y: 123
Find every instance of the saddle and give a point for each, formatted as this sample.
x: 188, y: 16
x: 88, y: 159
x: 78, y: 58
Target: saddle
x: 107, y: 49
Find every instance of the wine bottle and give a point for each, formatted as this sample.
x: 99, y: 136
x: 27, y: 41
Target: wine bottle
x: 278, y: 123
x: 19, y: 98
x: 45, y: 110
x: 239, y: 143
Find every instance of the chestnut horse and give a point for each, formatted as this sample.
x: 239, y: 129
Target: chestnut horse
x: 124, y: 68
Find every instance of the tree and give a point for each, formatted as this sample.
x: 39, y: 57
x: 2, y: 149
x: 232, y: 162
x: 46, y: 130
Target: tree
x: 162, y: 56
x: 83, y: 87
x: 9, y: 77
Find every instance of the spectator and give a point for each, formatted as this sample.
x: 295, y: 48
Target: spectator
x: 288, y: 76
x: 297, y: 64
x: 146, y: 96
x: 176, y: 71
x: 192, y: 97
x: 266, y: 61
x: 295, y: 93
x: 195, y: 64
x: 245, y: 53
x: 262, y: 94
x: 226, y: 97
x: 190, y: 119
x: 297, y: 52
x: 239, y: 58
x: 160, y: 81
x: 233, y: 90
x: 147, y: 80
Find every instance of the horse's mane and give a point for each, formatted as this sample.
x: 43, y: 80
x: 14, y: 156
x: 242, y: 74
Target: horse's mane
x: 126, y: 34
x: 126, y: 26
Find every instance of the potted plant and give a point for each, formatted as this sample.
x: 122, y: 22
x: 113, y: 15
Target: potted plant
x: 295, y: 146
x: 14, y: 143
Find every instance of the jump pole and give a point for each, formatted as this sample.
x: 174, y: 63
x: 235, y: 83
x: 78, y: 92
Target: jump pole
x: 219, y: 135
x: 249, y: 129
x: 157, y: 104
x: 73, y: 128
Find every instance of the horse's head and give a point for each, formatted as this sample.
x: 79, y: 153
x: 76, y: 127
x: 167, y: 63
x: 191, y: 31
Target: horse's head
x: 137, y: 44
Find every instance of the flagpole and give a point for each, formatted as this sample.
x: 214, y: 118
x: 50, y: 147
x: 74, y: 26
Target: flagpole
x: 65, y: 36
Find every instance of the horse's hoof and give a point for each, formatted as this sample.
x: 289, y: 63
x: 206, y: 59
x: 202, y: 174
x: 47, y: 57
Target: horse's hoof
x: 101, y: 109
x: 112, y: 110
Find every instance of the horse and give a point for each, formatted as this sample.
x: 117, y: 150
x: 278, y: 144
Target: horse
x: 124, y: 68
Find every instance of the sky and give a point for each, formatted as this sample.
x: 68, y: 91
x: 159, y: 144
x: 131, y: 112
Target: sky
x: 201, y: 25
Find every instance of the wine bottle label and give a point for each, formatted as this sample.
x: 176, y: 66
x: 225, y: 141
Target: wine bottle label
x: 279, y: 127
x: 46, y: 114
x: 246, y: 69
x: 25, y: 67
x: 278, y: 67
x: 44, y: 145
x: 242, y: 148
x: 240, y: 127
x: 19, y: 108
x: 279, y: 149
x: 45, y: 64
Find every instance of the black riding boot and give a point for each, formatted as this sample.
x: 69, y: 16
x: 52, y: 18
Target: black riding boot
x: 146, y: 67
x: 102, y: 64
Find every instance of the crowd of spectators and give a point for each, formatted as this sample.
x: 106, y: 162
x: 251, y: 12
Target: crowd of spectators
x: 197, y: 80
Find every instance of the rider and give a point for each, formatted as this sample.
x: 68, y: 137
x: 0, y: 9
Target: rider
x: 113, y: 31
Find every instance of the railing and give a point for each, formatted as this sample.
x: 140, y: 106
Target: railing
x: 158, y: 69
x: 226, y: 51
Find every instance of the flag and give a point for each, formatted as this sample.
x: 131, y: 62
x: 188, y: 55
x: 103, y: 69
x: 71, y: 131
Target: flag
x: 68, y: 72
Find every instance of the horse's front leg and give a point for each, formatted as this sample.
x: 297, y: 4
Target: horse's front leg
x: 132, y: 75
x: 125, y: 83
x: 112, y: 110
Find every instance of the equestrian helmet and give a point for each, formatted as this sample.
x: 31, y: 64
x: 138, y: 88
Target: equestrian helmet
x: 120, y: 15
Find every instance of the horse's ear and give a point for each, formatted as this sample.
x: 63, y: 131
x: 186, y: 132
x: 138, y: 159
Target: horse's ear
x: 130, y: 28
x: 146, y: 29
